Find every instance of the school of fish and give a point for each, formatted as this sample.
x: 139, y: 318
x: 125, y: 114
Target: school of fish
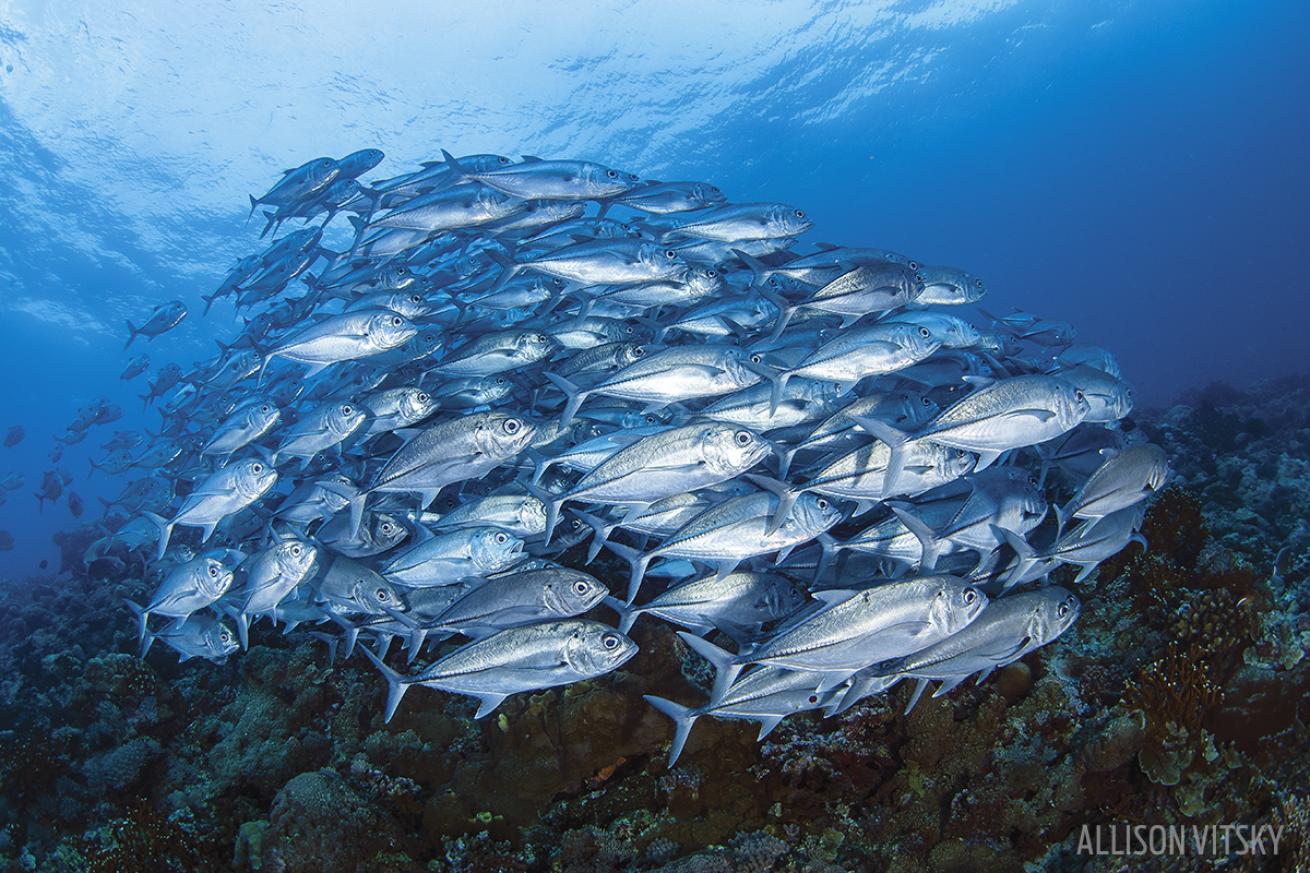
x: 826, y: 465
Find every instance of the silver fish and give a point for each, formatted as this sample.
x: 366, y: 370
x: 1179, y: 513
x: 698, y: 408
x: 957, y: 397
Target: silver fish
x: 527, y: 658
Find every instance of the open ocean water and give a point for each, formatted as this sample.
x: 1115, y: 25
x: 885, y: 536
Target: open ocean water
x: 1076, y: 200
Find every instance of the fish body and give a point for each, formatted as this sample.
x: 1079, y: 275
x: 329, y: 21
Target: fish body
x: 527, y: 658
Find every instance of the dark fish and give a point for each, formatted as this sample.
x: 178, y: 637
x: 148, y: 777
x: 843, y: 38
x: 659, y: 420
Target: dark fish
x: 162, y: 320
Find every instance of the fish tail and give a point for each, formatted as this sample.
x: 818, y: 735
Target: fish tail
x: 209, y: 302
x: 786, y: 494
x: 540, y: 464
x: 785, y: 457
x: 924, y: 534
x: 414, y: 642
x: 627, y: 614
x: 639, y: 562
x: 356, y: 507
x: 862, y: 687
x: 374, y: 199
x: 330, y: 641
x: 602, y: 529
x: 243, y: 628
x: 573, y: 394
x: 361, y: 228
x: 918, y: 692
x: 143, y: 636
x: 396, y: 684
x: 828, y: 547
x: 785, y: 308
x: 508, y: 269
x: 684, y: 718
x: 1016, y: 541
x: 270, y: 221
x: 132, y: 333
x: 254, y: 204
x: 1062, y: 514
x: 895, y: 440
x: 759, y: 270
x: 165, y: 531
x: 726, y: 667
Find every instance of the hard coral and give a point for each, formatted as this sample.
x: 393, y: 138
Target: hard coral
x: 1217, y: 625
x: 142, y: 840
x: 30, y: 762
x: 1175, y: 526
x: 1174, y: 694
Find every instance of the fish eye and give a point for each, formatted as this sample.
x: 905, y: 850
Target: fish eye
x: 386, y: 527
x: 257, y: 468
x: 423, y: 397
x: 977, y: 283
x: 577, y: 525
x: 743, y: 438
x: 970, y: 596
x: 638, y: 351
x: 383, y: 595
x: 913, y: 265
x: 924, y: 332
x: 822, y: 503
x: 1078, y: 394
x: 800, y: 213
x: 670, y: 254
x: 501, y: 538
x: 264, y: 408
x: 757, y: 358
x: 611, y: 641
x: 580, y: 587
x: 397, y: 321
x: 612, y: 174
x: 415, y: 298
x: 925, y: 401
x: 711, y: 274
x: 295, y: 550
x: 504, y: 161
x: 814, y: 698
x: 213, y: 571
x: 512, y: 426
x: 1063, y: 610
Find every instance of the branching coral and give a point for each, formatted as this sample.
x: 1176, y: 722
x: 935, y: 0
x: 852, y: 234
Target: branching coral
x: 1292, y: 816
x: 1174, y: 694
x: 1216, y: 625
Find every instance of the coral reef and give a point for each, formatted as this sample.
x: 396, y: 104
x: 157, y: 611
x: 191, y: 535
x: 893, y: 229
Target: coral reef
x: 1178, y: 698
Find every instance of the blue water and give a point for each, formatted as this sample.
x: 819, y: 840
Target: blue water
x: 1135, y: 168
